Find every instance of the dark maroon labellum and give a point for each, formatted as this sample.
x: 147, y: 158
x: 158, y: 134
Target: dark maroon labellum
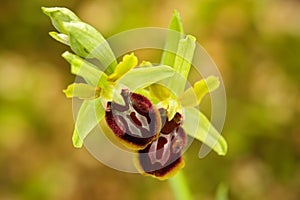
x: 137, y: 122
x: 163, y: 155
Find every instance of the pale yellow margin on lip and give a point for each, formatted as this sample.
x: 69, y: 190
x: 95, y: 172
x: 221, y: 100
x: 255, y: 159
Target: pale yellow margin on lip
x: 162, y: 178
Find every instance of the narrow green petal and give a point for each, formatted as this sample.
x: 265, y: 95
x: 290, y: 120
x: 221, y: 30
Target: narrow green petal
x: 59, y: 15
x: 175, y: 33
x: 60, y: 37
x: 90, y: 114
x: 188, y: 98
x: 159, y: 91
x: 87, y: 42
x: 194, y: 95
x: 182, y: 64
x: 205, y: 86
x: 88, y: 71
x: 198, y: 126
x: 129, y: 61
x: 146, y: 64
x: 142, y: 77
x: 146, y: 93
x: 156, y: 92
x: 82, y: 91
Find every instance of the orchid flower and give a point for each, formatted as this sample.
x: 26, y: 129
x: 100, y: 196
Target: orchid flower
x: 145, y: 106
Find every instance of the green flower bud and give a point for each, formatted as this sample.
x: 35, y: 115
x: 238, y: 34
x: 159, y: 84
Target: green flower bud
x: 60, y: 15
x: 87, y: 42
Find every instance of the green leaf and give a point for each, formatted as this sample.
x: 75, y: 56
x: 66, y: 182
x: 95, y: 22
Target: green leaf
x: 174, y: 34
x: 58, y: 16
x: 60, y: 37
x: 82, y: 91
x: 88, y: 71
x: 90, y: 114
x: 182, y: 64
x: 128, y: 62
x: 198, y: 126
x: 194, y: 95
x: 142, y: 77
x: 87, y: 42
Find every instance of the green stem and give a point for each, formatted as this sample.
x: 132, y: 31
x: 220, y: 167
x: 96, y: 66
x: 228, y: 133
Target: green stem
x: 180, y: 187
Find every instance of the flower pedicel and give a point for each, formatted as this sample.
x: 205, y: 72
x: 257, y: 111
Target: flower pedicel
x: 145, y: 107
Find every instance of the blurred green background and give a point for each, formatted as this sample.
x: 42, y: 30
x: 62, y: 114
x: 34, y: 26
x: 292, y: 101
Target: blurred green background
x: 255, y: 44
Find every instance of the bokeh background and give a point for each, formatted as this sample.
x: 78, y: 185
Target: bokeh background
x: 255, y: 44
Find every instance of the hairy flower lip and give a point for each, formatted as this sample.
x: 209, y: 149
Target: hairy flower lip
x: 162, y: 158
x: 137, y: 123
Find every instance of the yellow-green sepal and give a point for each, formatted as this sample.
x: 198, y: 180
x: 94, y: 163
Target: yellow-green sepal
x: 142, y: 77
x: 199, y: 127
x: 91, y: 74
x: 90, y: 114
x: 175, y: 33
x: 60, y: 37
x: 82, y: 91
x: 182, y: 63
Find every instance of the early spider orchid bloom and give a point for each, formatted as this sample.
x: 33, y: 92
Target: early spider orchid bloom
x: 104, y: 92
x: 163, y: 157
x: 144, y: 106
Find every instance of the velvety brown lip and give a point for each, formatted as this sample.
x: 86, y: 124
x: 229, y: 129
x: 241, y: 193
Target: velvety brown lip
x: 136, y: 123
x: 163, y: 155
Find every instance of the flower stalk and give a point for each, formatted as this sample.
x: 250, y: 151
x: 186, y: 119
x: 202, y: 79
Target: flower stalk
x: 180, y: 187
